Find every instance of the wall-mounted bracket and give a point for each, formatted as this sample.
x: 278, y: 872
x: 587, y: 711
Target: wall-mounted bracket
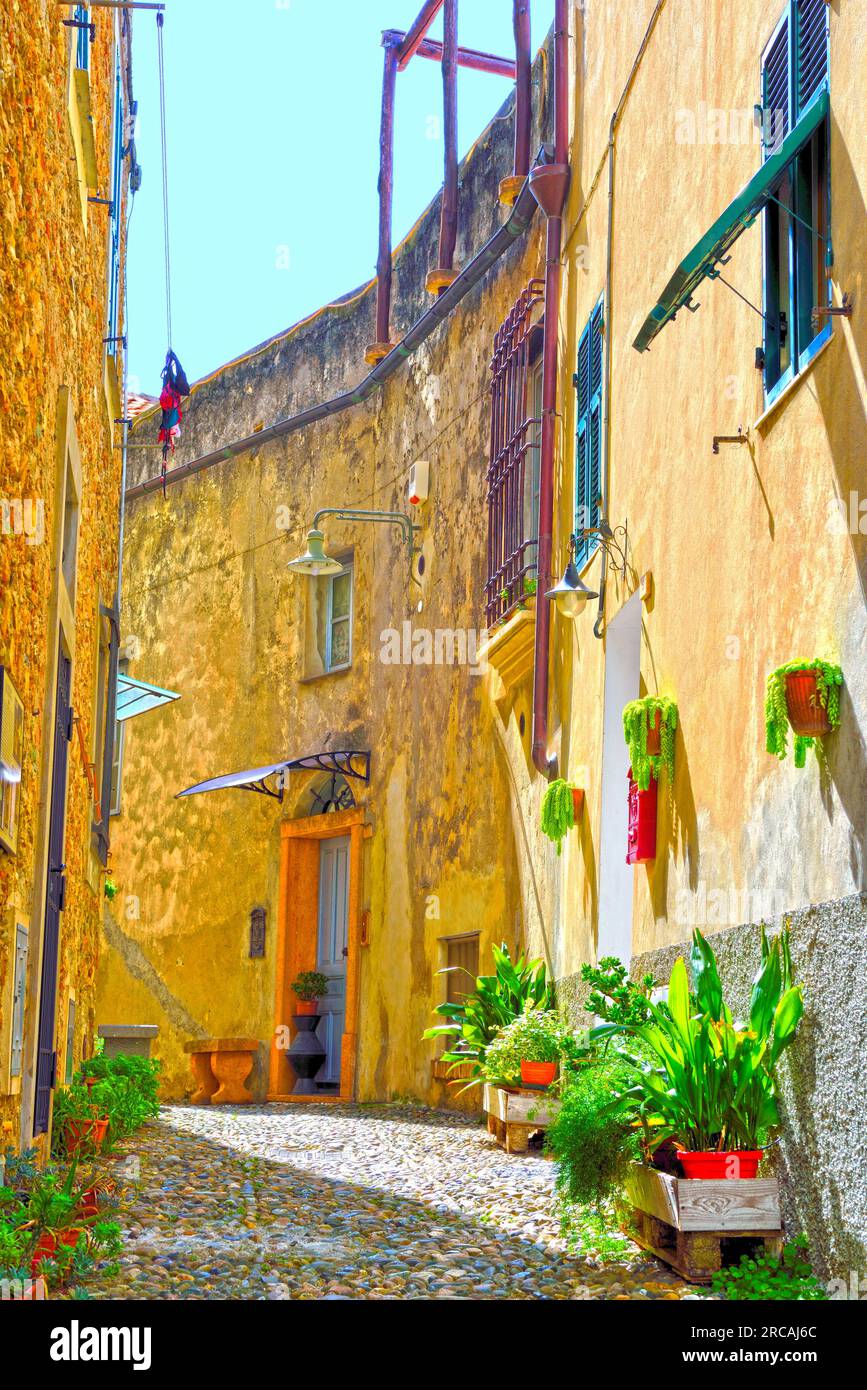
x: 842, y: 311
x: 739, y: 438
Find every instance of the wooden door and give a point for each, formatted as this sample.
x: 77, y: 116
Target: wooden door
x: 332, y: 952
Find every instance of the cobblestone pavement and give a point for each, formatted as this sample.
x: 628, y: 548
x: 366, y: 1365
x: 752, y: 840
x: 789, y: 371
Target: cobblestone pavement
x: 350, y: 1201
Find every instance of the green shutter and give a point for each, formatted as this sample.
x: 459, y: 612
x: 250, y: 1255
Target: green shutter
x: 588, y: 386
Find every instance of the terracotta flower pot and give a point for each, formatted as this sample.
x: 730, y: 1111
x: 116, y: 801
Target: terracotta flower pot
x: 740, y: 1164
x: 81, y: 1133
x: 305, y: 1007
x: 538, y: 1073
x: 806, y: 715
x: 654, y: 735
x: 577, y: 803
x: 49, y: 1243
x: 89, y: 1203
x: 90, y: 1082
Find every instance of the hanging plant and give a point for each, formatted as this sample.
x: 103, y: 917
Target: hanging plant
x: 649, y: 726
x: 559, y: 808
x: 109, y: 888
x: 805, y: 695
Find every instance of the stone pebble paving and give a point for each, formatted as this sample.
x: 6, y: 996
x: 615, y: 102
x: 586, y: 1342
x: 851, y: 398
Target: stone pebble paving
x: 350, y: 1202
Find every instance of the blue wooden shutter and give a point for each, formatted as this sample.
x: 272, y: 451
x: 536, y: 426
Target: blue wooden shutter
x: 776, y: 89
x: 116, y: 209
x: 82, y: 44
x: 811, y: 51
x: 588, y: 385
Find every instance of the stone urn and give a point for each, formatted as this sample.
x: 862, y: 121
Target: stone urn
x: 306, y: 1053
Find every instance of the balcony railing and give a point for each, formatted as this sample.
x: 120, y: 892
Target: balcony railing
x: 513, y: 471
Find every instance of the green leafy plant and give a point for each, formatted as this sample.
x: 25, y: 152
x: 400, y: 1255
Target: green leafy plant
x: 592, y: 1144
x: 530, y: 585
x: 638, y: 717
x: 558, y: 812
x: 494, y: 1001
x: 764, y: 1278
x: 110, y: 889
x: 73, y: 1107
x: 614, y: 997
x: 829, y: 679
x: 709, y: 1083
x: 310, y: 985
x: 535, y: 1036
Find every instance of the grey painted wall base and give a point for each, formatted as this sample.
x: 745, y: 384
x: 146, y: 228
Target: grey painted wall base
x: 821, y: 1155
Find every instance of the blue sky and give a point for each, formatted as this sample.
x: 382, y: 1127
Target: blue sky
x: 273, y: 118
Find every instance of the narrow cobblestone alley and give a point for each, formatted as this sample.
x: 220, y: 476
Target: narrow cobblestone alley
x: 350, y: 1201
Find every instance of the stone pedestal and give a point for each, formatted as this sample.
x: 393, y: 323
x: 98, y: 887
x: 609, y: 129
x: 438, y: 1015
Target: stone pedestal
x: 306, y: 1054
x: 221, y: 1068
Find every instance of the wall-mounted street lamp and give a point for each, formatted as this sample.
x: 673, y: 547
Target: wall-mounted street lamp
x: 572, y: 594
x: 315, y: 563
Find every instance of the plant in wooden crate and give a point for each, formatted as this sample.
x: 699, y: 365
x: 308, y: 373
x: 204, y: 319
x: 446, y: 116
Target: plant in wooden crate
x: 561, y: 809
x: 710, y: 1084
x: 527, y: 1050
x: 649, y: 727
x: 806, y: 696
x: 495, y: 1000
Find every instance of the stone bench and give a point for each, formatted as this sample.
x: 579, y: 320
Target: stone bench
x: 221, y: 1067
x: 127, y: 1039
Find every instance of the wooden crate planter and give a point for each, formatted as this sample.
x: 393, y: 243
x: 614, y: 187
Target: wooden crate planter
x: 514, y: 1115
x: 691, y: 1223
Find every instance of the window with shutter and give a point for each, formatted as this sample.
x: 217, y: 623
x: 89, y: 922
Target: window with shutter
x: 462, y: 958
x: 82, y: 43
x: 588, y: 388
x: 114, y: 233
x: 795, y: 69
x: 513, y: 464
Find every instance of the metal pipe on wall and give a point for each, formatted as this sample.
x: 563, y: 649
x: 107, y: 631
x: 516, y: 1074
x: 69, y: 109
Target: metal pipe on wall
x: 523, y: 89
x: 550, y: 186
x: 386, y: 198
x: 449, y: 214
x: 417, y: 31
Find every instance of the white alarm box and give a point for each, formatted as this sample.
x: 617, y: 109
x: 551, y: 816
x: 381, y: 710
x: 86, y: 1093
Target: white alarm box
x: 419, y: 482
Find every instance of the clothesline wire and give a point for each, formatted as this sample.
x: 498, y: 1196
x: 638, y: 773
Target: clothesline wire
x: 162, y: 72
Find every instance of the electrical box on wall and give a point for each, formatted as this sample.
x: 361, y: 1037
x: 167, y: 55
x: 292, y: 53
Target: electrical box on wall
x: 419, y: 482
x: 641, y: 844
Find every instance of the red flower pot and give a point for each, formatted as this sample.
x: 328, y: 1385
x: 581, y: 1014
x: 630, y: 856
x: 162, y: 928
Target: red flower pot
x: 49, y: 1243
x: 90, y: 1082
x: 89, y: 1203
x: 806, y: 716
x: 307, y: 1006
x: 577, y: 803
x: 81, y: 1133
x: 654, y: 735
x: 538, y: 1073
x: 742, y: 1164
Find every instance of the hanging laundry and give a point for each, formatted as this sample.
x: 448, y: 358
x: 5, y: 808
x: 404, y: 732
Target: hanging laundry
x: 175, y: 387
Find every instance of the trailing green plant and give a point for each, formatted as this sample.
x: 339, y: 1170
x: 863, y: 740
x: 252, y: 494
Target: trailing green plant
x: 494, y: 1001
x: 110, y: 889
x: 766, y: 1278
x: 592, y: 1144
x: 638, y: 716
x: 709, y: 1083
x: 310, y: 985
x: 829, y: 679
x: 535, y: 1036
x: 558, y: 812
x: 530, y: 585
x: 614, y: 997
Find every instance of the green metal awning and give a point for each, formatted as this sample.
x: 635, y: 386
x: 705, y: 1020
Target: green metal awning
x: 135, y: 697
x: 740, y: 214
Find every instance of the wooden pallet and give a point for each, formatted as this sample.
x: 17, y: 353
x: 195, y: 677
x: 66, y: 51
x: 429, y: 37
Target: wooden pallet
x: 697, y: 1226
x: 514, y: 1115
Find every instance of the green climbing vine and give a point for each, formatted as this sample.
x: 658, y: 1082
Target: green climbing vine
x: 829, y: 679
x: 638, y: 716
x: 558, y: 812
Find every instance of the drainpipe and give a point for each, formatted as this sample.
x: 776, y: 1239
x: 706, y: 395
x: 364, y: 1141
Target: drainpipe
x: 511, y: 186
x: 550, y: 184
x: 383, y: 345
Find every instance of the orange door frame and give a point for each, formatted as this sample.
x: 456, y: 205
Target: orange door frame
x: 297, y: 930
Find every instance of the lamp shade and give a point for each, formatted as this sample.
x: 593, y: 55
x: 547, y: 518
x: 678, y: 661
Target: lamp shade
x: 315, y: 562
x: 571, y: 593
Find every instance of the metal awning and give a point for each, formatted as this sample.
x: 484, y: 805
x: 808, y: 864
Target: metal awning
x: 135, y: 697
x: 347, y: 763
x: 701, y: 263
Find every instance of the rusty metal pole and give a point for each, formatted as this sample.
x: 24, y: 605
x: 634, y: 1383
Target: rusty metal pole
x: 511, y: 186
x: 383, y: 345
x: 550, y: 184
x: 444, y: 275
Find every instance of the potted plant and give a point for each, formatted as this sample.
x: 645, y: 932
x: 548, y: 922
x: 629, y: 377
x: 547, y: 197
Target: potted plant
x: 309, y: 987
x: 649, y: 726
x: 79, y: 1122
x: 473, y: 1023
x: 529, y: 1047
x: 561, y: 809
x: 703, y: 1080
x: 805, y: 695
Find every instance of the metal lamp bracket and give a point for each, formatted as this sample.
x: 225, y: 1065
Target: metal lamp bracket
x: 407, y: 527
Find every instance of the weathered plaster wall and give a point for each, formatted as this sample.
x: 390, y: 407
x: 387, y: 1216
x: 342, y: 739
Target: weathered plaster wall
x: 218, y: 618
x: 53, y: 260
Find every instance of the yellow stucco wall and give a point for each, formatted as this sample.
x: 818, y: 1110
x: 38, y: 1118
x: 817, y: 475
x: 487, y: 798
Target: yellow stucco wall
x: 54, y: 387
x: 746, y: 572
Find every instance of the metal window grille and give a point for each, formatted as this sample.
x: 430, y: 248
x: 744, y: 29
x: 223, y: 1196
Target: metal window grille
x: 512, y: 530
